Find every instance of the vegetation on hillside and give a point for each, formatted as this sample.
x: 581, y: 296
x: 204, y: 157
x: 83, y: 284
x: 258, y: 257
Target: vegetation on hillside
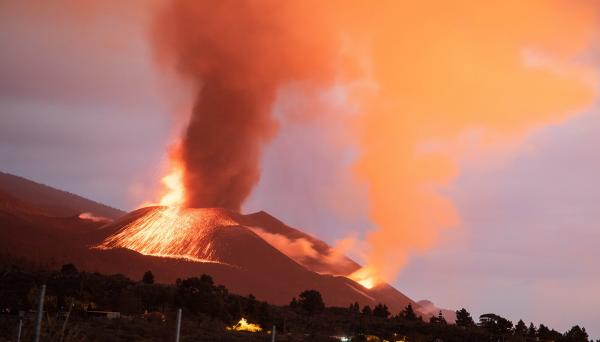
x: 76, y: 303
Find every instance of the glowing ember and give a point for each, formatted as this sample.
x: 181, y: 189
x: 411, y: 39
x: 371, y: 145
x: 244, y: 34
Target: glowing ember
x: 365, y: 277
x: 172, y: 232
x: 243, y: 325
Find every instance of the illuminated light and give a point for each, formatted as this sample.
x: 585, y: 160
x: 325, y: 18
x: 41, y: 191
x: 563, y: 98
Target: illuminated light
x: 243, y: 325
x: 181, y: 233
x: 365, y: 278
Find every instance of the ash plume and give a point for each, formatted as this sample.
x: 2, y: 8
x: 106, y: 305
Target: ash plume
x: 422, y: 76
x: 235, y: 54
x: 430, y: 83
x: 222, y: 143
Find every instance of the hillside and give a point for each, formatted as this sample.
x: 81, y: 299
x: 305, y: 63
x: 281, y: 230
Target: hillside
x: 249, y: 254
x: 51, y: 201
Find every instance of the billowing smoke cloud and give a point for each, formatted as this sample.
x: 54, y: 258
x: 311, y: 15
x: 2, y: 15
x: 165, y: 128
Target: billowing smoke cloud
x: 236, y: 54
x: 302, y: 250
x: 431, y: 80
x: 453, y: 77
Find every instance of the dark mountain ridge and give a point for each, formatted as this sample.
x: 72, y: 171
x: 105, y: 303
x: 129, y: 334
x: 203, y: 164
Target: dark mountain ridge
x: 51, y: 201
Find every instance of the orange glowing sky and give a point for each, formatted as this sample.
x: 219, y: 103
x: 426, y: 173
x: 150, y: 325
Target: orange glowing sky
x: 422, y: 76
x: 442, y: 72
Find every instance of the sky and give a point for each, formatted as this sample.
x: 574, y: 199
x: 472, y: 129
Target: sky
x: 85, y: 109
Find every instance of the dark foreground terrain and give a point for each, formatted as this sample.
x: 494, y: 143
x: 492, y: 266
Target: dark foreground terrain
x: 79, y: 306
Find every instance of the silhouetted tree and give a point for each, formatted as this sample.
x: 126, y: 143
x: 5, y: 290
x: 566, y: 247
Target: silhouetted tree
x: 441, y: 319
x: 576, y: 334
x: 294, y: 304
x: 495, y: 324
x: 504, y: 326
x: 199, y: 295
x: 532, y: 332
x: 381, y: 310
x: 263, y: 315
x: 546, y: 334
x: 543, y: 332
x: 235, y: 307
x: 354, y: 308
x: 311, y: 301
x: 148, y: 278
x: 153, y: 297
x: 408, y: 313
x: 520, y: 328
x: 68, y: 269
x: 367, y: 310
x: 250, y: 305
x: 464, y: 319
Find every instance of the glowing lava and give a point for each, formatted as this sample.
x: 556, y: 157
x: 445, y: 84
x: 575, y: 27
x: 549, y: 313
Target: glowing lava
x: 173, y: 182
x: 174, y: 190
x: 365, y: 277
x: 182, y: 233
x: 243, y: 325
x: 172, y: 230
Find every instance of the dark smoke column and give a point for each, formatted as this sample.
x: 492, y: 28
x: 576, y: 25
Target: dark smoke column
x: 223, y: 141
x: 236, y: 54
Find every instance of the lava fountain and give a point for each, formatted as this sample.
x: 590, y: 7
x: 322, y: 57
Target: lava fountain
x: 169, y: 229
x: 174, y: 195
x: 181, y: 233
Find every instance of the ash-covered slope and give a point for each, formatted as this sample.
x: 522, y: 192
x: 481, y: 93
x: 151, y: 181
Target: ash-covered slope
x: 249, y: 254
x: 307, y: 250
x: 52, y: 201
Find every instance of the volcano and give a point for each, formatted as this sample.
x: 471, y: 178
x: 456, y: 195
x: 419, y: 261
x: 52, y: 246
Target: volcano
x: 249, y: 254
x: 246, y: 253
x: 206, y: 234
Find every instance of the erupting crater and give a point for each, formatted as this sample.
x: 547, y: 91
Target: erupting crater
x: 173, y: 232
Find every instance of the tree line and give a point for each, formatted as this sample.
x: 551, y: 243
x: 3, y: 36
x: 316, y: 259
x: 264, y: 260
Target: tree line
x: 147, y: 312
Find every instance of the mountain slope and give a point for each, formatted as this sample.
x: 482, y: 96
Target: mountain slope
x: 253, y: 253
x: 239, y: 257
x: 52, y: 201
x: 312, y: 253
